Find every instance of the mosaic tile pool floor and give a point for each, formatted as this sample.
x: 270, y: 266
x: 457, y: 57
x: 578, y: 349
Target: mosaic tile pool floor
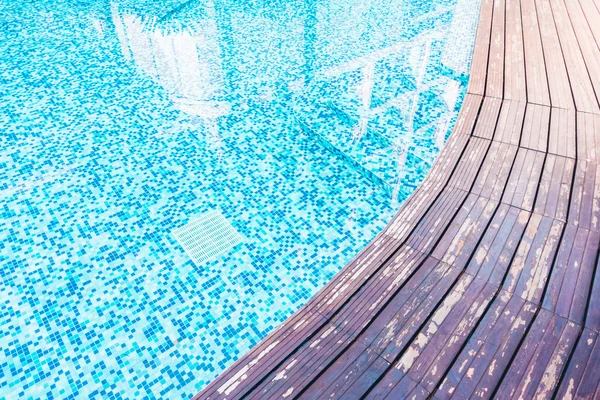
x: 304, y: 123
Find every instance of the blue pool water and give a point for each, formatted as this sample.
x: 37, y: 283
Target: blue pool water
x: 304, y: 123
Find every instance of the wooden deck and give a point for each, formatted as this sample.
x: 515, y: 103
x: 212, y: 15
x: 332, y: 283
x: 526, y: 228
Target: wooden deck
x: 485, y: 284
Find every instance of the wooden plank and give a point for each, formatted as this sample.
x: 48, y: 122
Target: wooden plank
x: 585, y: 199
x: 535, y: 127
x: 510, y: 122
x: 555, y: 187
x: 382, y: 285
x: 548, y: 383
x: 592, y: 319
x: 457, y: 244
x: 351, y: 375
x: 541, y: 358
x: 540, y: 330
x: 479, y: 62
x: 529, y: 271
x: 535, y: 66
x: 587, y: 347
x: 580, y: 61
x: 562, y: 141
x: 401, y: 262
x: 394, y: 385
x: 465, y: 173
x: 556, y: 70
x: 326, y: 305
x: 571, y: 279
x: 467, y: 118
x: 481, y: 363
x: 339, y: 335
x: 488, y: 117
x: 588, y: 137
x: 495, y: 252
x: 363, y: 383
x: 418, y: 393
x: 592, y: 16
x: 493, y: 363
x: 441, y: 339
x: 358, y: 310
x: 419, y: 203
x: 514, y: 62
x: 274, y: 347
x: 391, y: 332
x: 524, y: 179
x: 503, y: 305
x: 428, y: 231
x: 495, y: 170
x: 495, y: 70
x: 573, y: 15
x: 338, y: 289
x: 589, y: 386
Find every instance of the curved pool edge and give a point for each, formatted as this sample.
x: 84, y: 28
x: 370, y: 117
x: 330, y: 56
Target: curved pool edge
x: 378, y: 251
x: 485, y: 239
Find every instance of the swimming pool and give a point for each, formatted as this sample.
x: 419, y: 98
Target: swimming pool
x: 292, y: 129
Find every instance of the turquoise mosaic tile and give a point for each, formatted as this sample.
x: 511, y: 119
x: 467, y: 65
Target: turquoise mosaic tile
x: 304, y: 123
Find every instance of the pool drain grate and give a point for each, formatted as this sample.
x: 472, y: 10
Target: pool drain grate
x: 207, y: 237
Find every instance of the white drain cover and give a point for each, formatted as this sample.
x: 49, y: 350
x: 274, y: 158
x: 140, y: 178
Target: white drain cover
x: 207, y: 237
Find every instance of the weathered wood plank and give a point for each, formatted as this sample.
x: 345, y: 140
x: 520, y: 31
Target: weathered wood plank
x: 528, y: 273
x: 350, y: 376
x: 589, y: 385
x: 535, y: 65
x: 591, y: 13
x: 586, y: 348
x: 419, y: 203
x: 541, y: 358
x: 499, y: 244
x: 444, y: 208
x: 495, y: 170
x: 338, y: 336
x: 562, y: 140
x: 252, y: 367
x: 556, y: 70
x: 585, y: 200
x: 393, y: 334
x: 569, y: 285
x: 524, y: 179
x: 555, y: 187
x: 488, y: 117
x: 495, y: 69
x: 535, y: 128
x: 474, y: 155
x: 576, y: 62
x: 514, y: 59
x: 395, y: 385
x: 588, y: 137
x: 480, y: 365
x: 510, y: 123
x: 437, y: 344
x: 458, y: 243
x: 349, y: 282
x: 572, y: 16
x: 479, y: 63
x: 592, y: 319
